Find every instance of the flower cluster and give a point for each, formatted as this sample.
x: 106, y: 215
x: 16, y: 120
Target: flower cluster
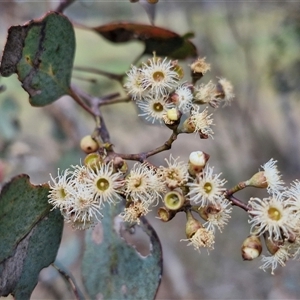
x: 156, y: 88
x: 142, y: 189
x: 277, y: 217
x: 192, y: 187
x: 81, y: 192
x: 146, y: 186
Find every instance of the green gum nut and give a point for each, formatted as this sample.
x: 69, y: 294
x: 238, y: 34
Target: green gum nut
x: 165, y: 214
x: 93, y: 161
x: 88, y: 144
x: 174, y: 200
x: 192, y: 225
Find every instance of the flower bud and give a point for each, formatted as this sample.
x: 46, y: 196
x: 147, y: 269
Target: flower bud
x: 192, y: 225
x: 211, y: 209
x: 203, y: 136
x: 93, y: 161
x: 178, y: 69
x: 198, y: 68
x: 173, y: 114
x: 88, y: 144
x: 188, y: 126
x: 251, y: 247
x: 120, y: 164
x: 172, y: 118
x: 258, y: 180
x: 165, y: 214
x: 173, y: 200
x: 197, y: 161
x: 272, y: 246
x: 198, y: 121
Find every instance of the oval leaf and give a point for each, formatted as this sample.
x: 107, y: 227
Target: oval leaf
x: 30, y: 235
x: 112, y: 269
x: 42, y: 54
x: 163, y: 41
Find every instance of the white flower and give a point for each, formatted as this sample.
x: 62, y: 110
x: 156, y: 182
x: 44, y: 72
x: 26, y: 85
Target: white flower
x: 227, y: 91
x: 217, y: 215
x: 183, y: 98
x: 159, y: 77
x: 272, y: 176
x: 294, y: 247
x: 202, y: 238
x: 134, y: 211
x: 293, y: 195
x: 199, y: 122
x: 206, y: 188
x: 280, y: 257
x: 81, y: 192
x: 84, y: 207
x: 142, y: 184
x: 175, y: 174
x: 61, y: 190
x: 205, y: 94
x: 200, y: 66
x: 133, y: 85
x: 80, y: 175
x: 105, y: 184
x: 153, y: 108
x: 271, y: 215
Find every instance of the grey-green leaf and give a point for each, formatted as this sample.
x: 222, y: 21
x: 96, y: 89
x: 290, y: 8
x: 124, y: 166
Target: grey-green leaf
x: 41, y: 53
x: 30, y: 235
x: 112, y: 269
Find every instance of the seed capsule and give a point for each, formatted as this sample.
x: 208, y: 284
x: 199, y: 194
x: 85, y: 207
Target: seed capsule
x: 88, y: 144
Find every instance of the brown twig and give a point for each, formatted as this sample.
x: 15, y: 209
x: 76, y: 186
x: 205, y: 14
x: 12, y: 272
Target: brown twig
x: 94, y: 104
x: 236, y: 202
x: 63, y: 5
x: 166, y: 146
x: 105, y: 100
x: 103, y: 131
x: 241, y: 185
x: 141, y: 157
x: 77, y: 98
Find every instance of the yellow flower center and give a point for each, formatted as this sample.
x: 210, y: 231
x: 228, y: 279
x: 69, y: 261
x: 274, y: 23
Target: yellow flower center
x: 158, y: 76
x: 274, y: 214
x: 158, y: 107
x: 82, y: 202
x: 137, y: 182
x: 102, y: 184
x: 172, y: 175
x: 62, y: 193
x: 207, y: 187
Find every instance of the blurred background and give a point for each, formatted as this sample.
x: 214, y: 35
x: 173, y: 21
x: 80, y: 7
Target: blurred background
x: 255, y: 45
